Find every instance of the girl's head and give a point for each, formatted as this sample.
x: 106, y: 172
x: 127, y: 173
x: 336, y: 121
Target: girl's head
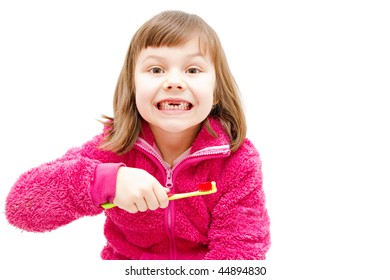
x: 174, y: 29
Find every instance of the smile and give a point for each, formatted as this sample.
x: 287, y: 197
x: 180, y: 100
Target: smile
x: 174, y: 105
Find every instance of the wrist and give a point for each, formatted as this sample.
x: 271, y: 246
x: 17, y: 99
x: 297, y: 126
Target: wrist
x: 104, y: 185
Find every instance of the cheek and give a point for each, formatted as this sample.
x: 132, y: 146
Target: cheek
x: 143, y: 91
x: 206, y: 98
x: 138, y: 103
x: 142, y: 98
x: 143, y: 106
x: 209, y: 89
x: 146, y: 86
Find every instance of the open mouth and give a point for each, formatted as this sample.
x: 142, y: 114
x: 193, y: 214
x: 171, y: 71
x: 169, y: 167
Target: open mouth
x: 174, y: 105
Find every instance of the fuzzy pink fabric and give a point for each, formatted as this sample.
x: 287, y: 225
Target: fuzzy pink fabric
x: 231, y: 224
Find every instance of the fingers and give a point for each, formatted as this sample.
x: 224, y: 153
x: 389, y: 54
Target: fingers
x: 150, y: 200
x: 153, y: 200
x: 131, y: 208
x: 161, y: 195
x: 138, y: 191
x: 139, y: 205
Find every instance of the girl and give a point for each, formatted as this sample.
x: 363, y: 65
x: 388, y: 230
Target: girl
x: 178, y: 122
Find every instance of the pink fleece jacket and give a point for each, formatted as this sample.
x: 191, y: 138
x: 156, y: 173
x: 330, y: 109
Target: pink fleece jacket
x: 230, y: 224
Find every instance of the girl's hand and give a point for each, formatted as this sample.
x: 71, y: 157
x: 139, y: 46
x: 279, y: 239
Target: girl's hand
x: 137, y: 190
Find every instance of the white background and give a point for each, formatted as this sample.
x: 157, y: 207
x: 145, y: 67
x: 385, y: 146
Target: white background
x: 315, y: 79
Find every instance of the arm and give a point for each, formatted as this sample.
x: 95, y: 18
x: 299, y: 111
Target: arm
x: 61, y: 191
x: 240, y: 222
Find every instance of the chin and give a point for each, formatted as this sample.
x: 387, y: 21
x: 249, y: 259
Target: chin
x: 177, y: 126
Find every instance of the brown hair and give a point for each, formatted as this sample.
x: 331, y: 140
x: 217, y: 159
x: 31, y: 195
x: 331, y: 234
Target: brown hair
x: 173, y: 28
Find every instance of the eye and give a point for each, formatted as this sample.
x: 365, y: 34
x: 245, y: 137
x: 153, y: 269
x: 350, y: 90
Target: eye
x: 193, y: 70
x: 156, y: 70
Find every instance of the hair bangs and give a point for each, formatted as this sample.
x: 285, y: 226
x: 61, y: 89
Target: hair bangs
x: 172, y: 29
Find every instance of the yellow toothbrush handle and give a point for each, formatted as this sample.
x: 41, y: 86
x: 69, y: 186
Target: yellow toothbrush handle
x: 182, y: 195
x: 172, y: 196
x: 108, y: 205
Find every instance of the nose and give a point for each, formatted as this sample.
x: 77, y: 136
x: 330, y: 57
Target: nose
x: 174, y: 82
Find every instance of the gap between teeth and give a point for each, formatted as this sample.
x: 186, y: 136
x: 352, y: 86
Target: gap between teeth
x: 166, y: 105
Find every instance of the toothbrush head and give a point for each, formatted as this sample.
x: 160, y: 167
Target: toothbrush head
x: 207, y: 187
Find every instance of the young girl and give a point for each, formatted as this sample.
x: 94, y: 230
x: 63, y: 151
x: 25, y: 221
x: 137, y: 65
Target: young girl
x: 178, y: 122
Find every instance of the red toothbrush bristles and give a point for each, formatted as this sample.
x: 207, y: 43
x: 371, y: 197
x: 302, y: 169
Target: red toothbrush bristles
x: 205, y: 187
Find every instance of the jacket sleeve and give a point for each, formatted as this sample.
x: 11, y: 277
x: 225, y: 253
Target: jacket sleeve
x: 240, y: 227
x: 59, y: 192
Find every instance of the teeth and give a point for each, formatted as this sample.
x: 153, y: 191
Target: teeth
x: 172, y: 105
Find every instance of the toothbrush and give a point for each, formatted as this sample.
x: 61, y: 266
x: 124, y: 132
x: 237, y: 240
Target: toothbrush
x: 203, y: 189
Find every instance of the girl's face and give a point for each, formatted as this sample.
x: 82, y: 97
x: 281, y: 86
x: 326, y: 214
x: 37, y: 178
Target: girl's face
x: 174, y: 86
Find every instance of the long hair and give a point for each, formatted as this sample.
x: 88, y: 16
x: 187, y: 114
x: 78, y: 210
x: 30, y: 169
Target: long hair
x: 171, y: 29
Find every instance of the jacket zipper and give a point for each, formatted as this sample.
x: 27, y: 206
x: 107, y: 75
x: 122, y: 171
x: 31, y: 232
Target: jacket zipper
x: 217, y: 151
x: 169, y: 217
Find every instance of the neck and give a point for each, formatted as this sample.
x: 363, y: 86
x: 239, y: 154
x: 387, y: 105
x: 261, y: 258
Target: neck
x: 172, y: 145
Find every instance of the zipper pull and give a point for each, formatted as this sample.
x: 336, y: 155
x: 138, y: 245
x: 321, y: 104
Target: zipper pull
x: 169, y: 183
